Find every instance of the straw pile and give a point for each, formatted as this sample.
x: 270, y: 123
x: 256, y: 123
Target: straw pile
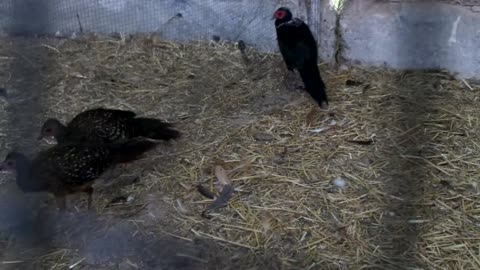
x: 390, y: 178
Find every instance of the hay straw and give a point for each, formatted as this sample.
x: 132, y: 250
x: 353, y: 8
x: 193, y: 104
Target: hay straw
x: 242, y: 116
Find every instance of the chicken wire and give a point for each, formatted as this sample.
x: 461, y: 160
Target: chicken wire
x: 23, y: 219
x: 174, y: 19
x: 178, y: 20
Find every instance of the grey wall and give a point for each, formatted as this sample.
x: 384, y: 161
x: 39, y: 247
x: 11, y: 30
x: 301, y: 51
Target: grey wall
x: 413, y: 35
x: 398, y: 34
x: 230, y: 19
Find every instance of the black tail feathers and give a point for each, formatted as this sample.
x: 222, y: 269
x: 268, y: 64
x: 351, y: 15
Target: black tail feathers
x: 130, y: 150
x: 313, y: 82
x: 154, y: 129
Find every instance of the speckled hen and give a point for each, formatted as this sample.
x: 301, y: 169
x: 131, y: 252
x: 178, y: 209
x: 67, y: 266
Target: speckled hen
x: 71, y: 167
x: 106, y: 125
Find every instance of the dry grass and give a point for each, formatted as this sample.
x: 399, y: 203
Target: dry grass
x: 410, y: 198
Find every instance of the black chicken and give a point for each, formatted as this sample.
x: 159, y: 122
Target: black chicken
x: 299, y: 50
x: 107, y: 125
x: 71, y: 167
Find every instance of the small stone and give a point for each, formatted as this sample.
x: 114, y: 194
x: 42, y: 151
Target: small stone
x: 343, y: 67
x: 340, y: 182
x: 263, y: 137
x: 241, y: 45
x: 216, y: 38
x: 279, y: 160
x: 322, y: 247
x: 130, y: 199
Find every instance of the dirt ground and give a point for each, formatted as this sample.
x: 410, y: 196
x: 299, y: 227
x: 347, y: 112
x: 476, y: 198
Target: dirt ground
x: 405, y: 145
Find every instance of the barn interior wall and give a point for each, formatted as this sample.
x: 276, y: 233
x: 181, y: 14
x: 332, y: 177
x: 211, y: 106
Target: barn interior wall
x: 397, y: 34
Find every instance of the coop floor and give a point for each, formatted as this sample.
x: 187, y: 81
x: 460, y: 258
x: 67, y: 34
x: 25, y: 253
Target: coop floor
x: 404, y: 145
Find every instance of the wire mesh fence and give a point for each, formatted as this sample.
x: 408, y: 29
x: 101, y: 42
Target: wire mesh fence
x: 386, y: 140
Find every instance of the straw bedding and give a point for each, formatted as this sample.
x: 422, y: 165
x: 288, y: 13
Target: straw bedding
x: 403, y: 145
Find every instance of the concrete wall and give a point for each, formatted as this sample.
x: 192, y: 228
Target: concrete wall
x: 413, y: 35
x: 398, y: 34
x: 173, y: 19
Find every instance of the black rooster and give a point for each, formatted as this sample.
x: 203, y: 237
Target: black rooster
x: 299, y: 51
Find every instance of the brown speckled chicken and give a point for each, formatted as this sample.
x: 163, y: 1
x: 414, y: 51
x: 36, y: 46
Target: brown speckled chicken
x: 71, y: 167
x: 106, y: 125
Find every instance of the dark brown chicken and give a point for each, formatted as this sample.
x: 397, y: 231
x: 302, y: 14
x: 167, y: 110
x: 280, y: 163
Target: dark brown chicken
x: 71, y: 167
x: 107, y: 125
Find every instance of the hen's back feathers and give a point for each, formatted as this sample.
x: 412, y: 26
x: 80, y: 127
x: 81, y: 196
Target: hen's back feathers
x: 153, y: 129
x: 110, y: 125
